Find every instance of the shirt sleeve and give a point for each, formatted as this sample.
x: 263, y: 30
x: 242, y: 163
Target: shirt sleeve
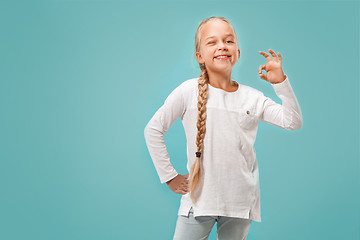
x: 155, y: 130
x: 286, y: 115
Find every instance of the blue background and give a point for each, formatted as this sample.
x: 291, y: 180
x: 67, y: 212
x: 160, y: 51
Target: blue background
x: 81, y: 79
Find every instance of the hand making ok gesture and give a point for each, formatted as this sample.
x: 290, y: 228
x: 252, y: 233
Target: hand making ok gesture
x: 275, y: 73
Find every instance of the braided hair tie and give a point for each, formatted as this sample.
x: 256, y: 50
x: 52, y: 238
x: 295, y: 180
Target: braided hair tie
x: 198, y: 154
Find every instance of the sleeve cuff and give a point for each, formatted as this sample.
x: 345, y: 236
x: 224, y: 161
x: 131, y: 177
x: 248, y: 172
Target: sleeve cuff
x: 169, y: 177
x: 283, y: 84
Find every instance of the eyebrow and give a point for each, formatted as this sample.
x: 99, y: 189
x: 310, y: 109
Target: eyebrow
x: 226, y: 35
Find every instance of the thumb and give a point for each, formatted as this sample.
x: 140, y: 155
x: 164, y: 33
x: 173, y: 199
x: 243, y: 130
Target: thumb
x: 186, y: 175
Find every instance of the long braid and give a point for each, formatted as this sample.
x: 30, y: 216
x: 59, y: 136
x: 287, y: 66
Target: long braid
x: 201, y: 126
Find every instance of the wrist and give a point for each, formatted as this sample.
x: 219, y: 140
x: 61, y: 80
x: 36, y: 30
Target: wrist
x: 282, y: 79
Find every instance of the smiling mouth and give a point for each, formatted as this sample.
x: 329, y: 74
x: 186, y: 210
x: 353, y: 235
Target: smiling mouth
x: 222, y: 57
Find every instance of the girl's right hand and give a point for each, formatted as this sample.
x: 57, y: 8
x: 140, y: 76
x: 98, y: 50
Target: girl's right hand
x: 179, y: 184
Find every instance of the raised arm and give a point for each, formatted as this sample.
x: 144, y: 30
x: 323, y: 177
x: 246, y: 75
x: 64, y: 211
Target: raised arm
x: 288, y: 115
x: 154, y: 132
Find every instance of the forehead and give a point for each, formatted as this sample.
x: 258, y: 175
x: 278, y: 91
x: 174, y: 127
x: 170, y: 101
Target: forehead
x: 216, y: 28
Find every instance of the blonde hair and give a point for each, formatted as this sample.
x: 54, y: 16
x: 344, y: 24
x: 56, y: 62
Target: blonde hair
x: 203, y: 81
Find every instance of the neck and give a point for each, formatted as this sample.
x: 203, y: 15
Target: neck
x: 221, y: 80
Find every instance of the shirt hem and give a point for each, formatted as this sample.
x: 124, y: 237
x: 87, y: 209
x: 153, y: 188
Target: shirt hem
x: 246, y: 214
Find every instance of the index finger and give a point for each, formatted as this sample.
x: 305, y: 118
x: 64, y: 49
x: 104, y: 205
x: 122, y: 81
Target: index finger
x: 267, y: 56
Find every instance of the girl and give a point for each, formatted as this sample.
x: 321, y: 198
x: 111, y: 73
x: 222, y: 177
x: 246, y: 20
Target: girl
x: 220, y: 118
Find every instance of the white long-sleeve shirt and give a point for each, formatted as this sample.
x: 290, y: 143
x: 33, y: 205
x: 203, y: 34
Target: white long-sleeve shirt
x: 230, y: 174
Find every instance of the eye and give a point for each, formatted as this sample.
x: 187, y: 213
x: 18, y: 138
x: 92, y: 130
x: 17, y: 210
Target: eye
x: 210, y: 42
x: 230, y: 41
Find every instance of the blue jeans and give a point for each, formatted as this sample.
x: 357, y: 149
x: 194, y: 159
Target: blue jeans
x: 228, y: 228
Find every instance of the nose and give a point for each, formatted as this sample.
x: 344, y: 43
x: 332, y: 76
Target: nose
x: 221, y: 45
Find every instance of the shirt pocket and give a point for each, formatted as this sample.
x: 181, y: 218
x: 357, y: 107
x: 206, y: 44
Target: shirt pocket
x: 247, y: 119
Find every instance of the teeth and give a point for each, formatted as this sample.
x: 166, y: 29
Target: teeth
x: 221, y: 56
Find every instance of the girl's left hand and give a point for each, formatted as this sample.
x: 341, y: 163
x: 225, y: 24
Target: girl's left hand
x: 275, y: 73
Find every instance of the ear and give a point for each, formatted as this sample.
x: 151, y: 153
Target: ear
x: 199, y: 58
x: 239, y: 52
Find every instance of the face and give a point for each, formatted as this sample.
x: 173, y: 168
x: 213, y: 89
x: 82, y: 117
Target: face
x: 216, y: 39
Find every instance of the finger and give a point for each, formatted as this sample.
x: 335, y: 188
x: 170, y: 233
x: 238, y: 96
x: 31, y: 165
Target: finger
x: 186, y: 176
x: 274, y: 55
x: 280, y: 58
x: 267, y: 56
x: 261, y: 67
x: 181, y: 192
x: 185, y: 189
x: 185, y: 186
x: 186, y: 183
x: 263, y: 77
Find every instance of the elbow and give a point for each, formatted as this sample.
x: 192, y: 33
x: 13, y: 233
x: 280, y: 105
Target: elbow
x: 296, y: 124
